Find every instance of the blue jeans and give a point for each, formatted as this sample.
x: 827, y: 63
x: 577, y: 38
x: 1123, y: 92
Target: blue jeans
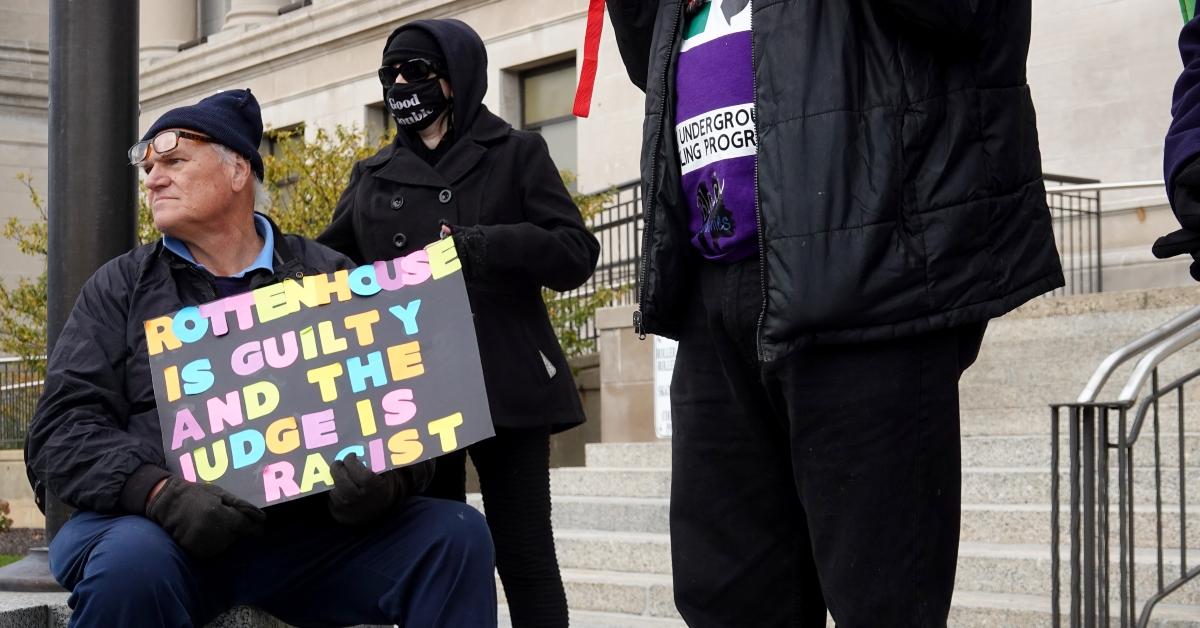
x: 429, y: 564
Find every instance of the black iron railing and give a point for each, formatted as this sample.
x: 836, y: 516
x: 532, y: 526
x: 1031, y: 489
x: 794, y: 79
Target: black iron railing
x: 618, y: 227
x: 1150, y: 422
x: 1075, y: 214
x: 20, y: 386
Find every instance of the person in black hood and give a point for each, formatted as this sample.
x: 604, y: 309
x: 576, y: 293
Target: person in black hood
x: 456, y: 169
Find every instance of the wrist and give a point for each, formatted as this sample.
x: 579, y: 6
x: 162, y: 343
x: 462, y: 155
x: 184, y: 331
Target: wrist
x: 136, y: 493
x: 154, y: 491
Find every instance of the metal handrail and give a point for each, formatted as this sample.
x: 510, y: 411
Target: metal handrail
x: 1106, y: 187
x: 1151, y: 360
x: 1135, y: 348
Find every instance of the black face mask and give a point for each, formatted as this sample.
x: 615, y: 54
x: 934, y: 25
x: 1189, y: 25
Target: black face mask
x: 416, y: 105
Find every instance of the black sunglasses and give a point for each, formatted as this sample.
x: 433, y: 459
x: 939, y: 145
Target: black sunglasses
x: 412, y: 70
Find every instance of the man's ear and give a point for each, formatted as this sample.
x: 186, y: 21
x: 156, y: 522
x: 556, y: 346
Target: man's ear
x: 241, y: 174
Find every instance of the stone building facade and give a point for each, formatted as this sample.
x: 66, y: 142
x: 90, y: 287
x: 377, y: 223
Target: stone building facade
x: 1101, y: 75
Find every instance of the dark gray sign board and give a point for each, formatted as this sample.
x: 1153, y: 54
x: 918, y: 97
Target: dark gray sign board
x: 259, y: 392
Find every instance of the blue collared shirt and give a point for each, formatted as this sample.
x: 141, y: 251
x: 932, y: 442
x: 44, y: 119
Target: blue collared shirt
x: 265, y: 256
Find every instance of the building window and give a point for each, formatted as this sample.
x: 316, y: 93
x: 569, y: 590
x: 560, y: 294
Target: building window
x: 547, y: 95
x: 380, y: 122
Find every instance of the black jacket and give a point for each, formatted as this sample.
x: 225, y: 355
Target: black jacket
x: 899, y: 176
x: 520, y: 231
x: 94, y: 440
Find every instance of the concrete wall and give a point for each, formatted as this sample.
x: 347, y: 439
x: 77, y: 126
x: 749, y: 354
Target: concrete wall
x: 14, y: 488
x: 1102, y: 74
x: 317, y: 65
x: 24, y: 79
x: 626, y: 378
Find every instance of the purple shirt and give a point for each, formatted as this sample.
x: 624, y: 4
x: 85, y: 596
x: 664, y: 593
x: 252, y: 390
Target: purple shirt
x: 715, y: 132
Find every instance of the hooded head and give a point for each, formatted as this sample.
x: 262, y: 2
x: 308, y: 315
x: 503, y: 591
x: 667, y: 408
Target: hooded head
x: 458, y: 48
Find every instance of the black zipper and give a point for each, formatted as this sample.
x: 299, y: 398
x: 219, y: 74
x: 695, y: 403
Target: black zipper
x: 762, y: 252
x: 648, y: 222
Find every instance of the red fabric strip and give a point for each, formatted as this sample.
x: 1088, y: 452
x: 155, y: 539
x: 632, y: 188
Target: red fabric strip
x: 591, y: 50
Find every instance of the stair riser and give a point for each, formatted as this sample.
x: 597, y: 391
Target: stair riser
x: 1034, y: 488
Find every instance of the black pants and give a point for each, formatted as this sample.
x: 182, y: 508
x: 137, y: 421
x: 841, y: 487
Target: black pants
x: 827, y: 479
x: 514, y: 478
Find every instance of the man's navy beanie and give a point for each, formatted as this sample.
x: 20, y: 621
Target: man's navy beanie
x: 232, y: 118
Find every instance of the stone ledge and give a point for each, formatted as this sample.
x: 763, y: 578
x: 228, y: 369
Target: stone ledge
x: 49, y: 610
x: 1123, y: 301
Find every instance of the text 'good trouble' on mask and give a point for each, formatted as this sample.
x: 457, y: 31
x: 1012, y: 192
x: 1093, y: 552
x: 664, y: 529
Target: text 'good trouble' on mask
x: 416, y: 105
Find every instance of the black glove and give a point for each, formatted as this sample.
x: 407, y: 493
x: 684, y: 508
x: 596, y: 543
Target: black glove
x: 202, y: 518
x: 360, y: 496
x: 471, y: 245
x: 1179, y: 243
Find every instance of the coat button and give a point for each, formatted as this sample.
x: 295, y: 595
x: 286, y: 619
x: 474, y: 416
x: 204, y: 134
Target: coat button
x: 444, y: 196
x: 399, y: 240
x: 398, y: 202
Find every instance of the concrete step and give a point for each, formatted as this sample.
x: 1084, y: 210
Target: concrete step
x: 595, y: 619
x: 612, y: 514
x: 1001, y: 485
x: 1033, y: 451
x: 1122, y: 324
x: 1026, y: 524
x: 646, y: 595
x: 1032, y: 485
x: 1006, y: 610
x: 613, y: 551
x: 987, y: 397
x: 985, y: 523
x: 1068, y: 358
x: 1012, y: 568
x: 1029, y: 485
x: 1026, y: 569
x: 652, y: 455
x: 610, y: 482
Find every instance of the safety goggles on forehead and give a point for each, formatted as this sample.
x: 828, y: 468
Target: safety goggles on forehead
x: 412, y: 70
x: 162, y: 143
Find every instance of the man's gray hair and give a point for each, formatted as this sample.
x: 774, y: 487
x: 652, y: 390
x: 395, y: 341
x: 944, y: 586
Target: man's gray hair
x: 262, y: 198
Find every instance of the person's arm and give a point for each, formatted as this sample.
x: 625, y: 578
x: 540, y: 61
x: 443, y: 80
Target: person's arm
x: 1181, y: 163
x: 79, y: 447
x: 551, y: 248
x: 1182, y: 143
x: 957, y: 18
x: 339, y: 235
x: 633, y: 24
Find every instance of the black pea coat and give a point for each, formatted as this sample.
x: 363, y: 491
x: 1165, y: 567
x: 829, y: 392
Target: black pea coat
x: 522, y: 232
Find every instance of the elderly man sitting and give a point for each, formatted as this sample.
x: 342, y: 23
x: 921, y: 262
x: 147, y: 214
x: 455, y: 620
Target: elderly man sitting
x: 148, y: 548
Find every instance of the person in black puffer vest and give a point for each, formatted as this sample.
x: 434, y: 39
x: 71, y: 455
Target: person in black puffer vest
x: 838, y: 195
x: 457, y: 169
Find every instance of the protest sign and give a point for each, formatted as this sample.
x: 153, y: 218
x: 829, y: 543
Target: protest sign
x: 259, y: 392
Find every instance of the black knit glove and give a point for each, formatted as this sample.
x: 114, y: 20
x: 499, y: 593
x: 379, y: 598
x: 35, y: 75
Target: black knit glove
x: 1184, y: 241
x: 360, y: 496
x: 1185, y: 201
x: 471, y: 245
x: 204, y: 519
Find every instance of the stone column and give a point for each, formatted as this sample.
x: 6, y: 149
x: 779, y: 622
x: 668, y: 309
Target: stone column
x: 165, y: 24
x: 244, y: 12
x: 626, y: 378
